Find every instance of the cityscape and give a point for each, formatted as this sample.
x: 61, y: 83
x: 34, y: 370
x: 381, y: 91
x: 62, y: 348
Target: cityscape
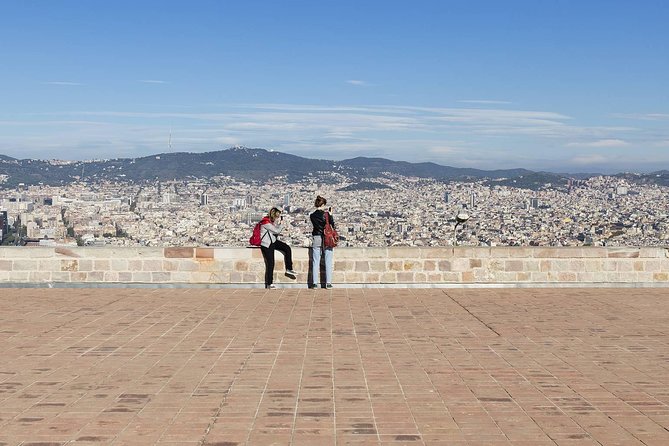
x: 397, y: 211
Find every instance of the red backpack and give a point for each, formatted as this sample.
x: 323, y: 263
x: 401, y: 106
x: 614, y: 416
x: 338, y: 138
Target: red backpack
x: 255, y: 237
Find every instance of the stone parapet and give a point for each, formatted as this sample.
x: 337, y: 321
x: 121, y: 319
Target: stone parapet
x: 401, y: 266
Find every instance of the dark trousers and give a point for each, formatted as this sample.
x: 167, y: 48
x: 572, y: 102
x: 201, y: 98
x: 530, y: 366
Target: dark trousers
x: 268, y: 255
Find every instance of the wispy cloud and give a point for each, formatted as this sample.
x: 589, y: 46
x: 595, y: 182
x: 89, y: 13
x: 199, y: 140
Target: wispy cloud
x: 152, y: 81
x: 643, y: 116
x: 483, y: 137
x: 588, y: 160
x: 358, y: 83
x: 62, y: 83
x: 483, y: 101
x: 600, y: 143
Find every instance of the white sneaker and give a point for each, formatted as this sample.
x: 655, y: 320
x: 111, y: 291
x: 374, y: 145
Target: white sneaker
x: 290, y: 273
x: 271, y: 286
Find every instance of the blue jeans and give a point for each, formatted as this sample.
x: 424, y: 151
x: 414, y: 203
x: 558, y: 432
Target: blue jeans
x: 316, y: 249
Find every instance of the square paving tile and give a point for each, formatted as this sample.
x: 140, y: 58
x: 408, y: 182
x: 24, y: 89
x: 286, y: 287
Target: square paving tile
x: 509, y: 367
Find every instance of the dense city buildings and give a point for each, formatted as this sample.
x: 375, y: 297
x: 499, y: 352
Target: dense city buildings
x: 221, y: 211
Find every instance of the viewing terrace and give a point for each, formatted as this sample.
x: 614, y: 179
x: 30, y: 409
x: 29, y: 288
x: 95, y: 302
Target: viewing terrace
x: 459, y: 361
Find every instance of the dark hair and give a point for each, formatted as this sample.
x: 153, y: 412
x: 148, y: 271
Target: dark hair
x: 320, y: 201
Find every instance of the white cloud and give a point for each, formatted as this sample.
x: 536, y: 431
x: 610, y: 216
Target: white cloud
x: 483, y: 101
x: 62, y: 83
x: 357, y: 82
x: 586, y: 160
x: 153, y: 81
x: 600, y: 143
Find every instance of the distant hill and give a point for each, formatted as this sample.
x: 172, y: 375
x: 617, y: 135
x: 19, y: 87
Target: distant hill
x: 259, y: 164
x: 660, y: 177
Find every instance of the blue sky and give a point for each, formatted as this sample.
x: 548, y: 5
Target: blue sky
x: 576, y: 86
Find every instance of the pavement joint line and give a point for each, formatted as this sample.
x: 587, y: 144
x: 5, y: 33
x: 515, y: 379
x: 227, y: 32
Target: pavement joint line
x: 470, y: 313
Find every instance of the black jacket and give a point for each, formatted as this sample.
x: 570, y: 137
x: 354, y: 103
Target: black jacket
x: 318, y: 220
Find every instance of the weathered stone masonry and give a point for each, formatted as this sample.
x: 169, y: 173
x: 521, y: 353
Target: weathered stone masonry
x: 353, y: 266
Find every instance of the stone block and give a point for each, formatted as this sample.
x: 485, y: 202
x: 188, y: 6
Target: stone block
x: 593, y: 265
x: 78, y: 276
x: 567, y: 276
x: 125, y: 276
x: 430, y: 265
x: 69, y: 265
x: 377, y: 265
x: 629, y: 277
x: 354, y: 277
x: 111, y: 276
x: 5, y: 265
x: 403, y: 252
x: 475, y: 263
x: 85, y: 264
x: 372, y: 277
x: 244, y: 266
x: 623, y: 253
x: 204, y: 253
x: 451, y: 277
x: 661, y: 277
x: 468, y: 277
x: 539, y: 277
x: 438, y: 253
x: 375, y: 253
x: 58, y: 276
x: 625, y: 266
x: 362, y: 266
x: 344, y: 265
x: 119, y: 265
x: 593, y: 252
x: 250, y: 277
x: 24, y: 265
x: 102, y: 265
x: 179, y: 252
x: 37, y: 252
x: 420, y: 277
x: 405, y: 277
x: 435, y: 277
x: 235, y: 253
x: 388, y: 278
x: 134, y: 265
x: 395, y: 265
x: 458, y: 264
x: 652, y: 265
x: 652, y: 252
x: 152, y: 265
x: 349, y: 253
x: 40, y: 276
x: 141, y: 277
x: 95, y: 276
x: 577, y: 265
x: 531, y: 265
x: 445, y: 265
x: 161, y: 277
x: 513, y: 265
x: 639, y: 265
x: 18, y: 276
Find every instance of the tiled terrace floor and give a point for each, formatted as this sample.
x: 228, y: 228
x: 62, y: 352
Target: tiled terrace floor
x: 347, y: 366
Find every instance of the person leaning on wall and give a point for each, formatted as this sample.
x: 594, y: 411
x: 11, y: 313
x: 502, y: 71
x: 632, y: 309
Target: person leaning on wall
x: 317, y: 247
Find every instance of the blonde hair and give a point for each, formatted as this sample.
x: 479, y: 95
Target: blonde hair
x: 274, y: 213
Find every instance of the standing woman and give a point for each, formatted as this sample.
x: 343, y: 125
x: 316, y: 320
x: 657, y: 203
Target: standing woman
x: 269, y: 242
x: 317, y: 248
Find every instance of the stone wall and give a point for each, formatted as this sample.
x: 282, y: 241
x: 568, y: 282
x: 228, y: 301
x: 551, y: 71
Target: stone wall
x: 395, y: 266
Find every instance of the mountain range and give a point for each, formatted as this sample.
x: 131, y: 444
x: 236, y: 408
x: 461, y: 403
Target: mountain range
x: 259, y: 164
